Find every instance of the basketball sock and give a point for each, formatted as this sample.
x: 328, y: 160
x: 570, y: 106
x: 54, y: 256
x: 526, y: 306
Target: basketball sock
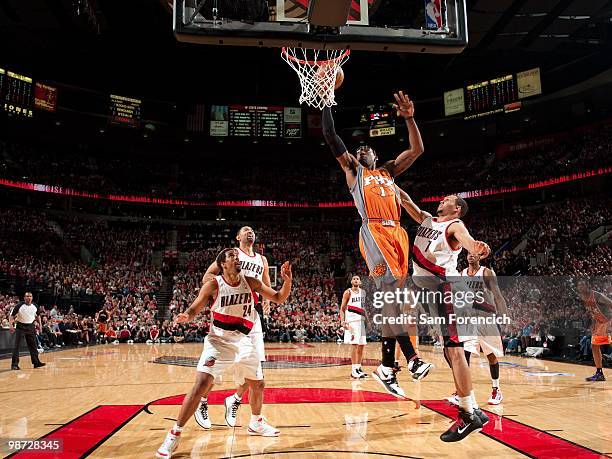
x: 494, y: 369
x: 388, y: 352
x: 176, y: 428
x: 255, y: 418
x: 466, y: 404
x: 238, y: 399
x: 495, y: 383
x: 474, y: 402
x: 204, y: 399
x: 446, y: 358
x: 406, y: 347
x: 468, y: 355
x: 599, y: 370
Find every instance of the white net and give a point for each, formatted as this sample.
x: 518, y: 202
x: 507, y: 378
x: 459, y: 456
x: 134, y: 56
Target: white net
x: 317, y: 70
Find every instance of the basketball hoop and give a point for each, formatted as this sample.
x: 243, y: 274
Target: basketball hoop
x: 317, y: 70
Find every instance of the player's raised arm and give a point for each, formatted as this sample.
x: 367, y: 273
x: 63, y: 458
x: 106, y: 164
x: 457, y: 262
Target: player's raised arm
x: 269, y: 293
x: 212, y: 271
x: 413, y: 210
x: 405, y: 108
x: 459, y: 232
x: 490, y: 279
x: 265, y: 278
x: 207, y: 292
x: 347, y: 161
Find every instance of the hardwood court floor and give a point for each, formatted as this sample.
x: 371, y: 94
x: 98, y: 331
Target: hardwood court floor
x: 118, y: 402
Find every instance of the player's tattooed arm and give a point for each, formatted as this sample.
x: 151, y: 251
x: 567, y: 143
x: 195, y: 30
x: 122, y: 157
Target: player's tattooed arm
x: 269, y: 293
x: 405, y: 108
x: 347, y: 161
x: 207, y: 293
x: 413, y: 210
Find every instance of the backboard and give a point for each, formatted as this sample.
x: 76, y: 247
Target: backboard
x: 418, y: 26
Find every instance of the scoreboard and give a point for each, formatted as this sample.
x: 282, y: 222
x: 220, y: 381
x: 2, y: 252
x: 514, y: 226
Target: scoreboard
x: 492, y: 96
x: 256, y: 121
x: 497, y: 95
x: 16, y: 94
x: 125, y: 111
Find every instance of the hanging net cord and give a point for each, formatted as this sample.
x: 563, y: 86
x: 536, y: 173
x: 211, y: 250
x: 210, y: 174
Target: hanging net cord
x: 317, y: 72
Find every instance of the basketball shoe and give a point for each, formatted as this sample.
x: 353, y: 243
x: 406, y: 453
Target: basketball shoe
x: 482, y: 416
x: 598, y: 376
x: 388, y: 381
x: 261, y: 427
x: 358, y: 374
x: 453, y: 399
x: 419, y: 368
x: 465, y: 424
x: 496, y: 397
x: 201, y: 416
x: 166, y: 450
x: 231, y: 410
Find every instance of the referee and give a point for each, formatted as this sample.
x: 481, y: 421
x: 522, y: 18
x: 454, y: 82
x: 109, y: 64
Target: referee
x: 24, y: 314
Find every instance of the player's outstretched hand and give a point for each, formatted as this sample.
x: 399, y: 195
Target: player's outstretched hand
x: 286, y: 271
x: 404, y: 105
x: 482, y: 249
x: 181, y: 318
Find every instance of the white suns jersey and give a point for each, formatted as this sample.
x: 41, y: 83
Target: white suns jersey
x: 251, y: 266
x: 432, y: 254
x: 233, y: 311
x: 476, y: 284
x: 355, y: 308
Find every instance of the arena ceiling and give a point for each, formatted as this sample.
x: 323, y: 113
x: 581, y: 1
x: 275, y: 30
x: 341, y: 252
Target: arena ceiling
x: 129, y: 47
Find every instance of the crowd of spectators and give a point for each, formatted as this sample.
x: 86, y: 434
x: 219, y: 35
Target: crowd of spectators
x: 84, y: 169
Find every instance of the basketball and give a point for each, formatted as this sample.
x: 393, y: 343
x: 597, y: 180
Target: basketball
x: 339, y: 78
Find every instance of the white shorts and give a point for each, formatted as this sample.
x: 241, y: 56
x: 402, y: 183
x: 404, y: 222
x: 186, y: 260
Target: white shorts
x: 488, y: 345
x: 356, y: 333
x: 257, y: 338
x: 220, y: 355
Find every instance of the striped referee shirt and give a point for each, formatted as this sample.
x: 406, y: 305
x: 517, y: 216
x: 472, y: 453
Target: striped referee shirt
x: 25, y: 314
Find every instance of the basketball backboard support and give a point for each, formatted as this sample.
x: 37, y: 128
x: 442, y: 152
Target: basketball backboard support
x: 417, y: 26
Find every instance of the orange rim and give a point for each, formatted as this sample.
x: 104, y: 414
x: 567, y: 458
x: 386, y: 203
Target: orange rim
x: 346, y: 53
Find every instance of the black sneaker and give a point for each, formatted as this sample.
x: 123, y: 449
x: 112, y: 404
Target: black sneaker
x: 482, y: 416
x: 15, y: 367
x: 389, y: 382
x: 465, y: 424
x: 419, y: 368
x: 596, y: 377
x: 38, y: 365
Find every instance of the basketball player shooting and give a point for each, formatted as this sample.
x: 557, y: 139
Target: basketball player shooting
x: 233, y: 316
x: 437, y: 246
x: 382, y: 241
x: 252, y: 264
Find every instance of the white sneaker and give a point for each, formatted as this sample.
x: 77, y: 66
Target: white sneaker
x: 261, y: 427
x: 389, y: 382
x: 453, y: 399
x: 496, y: 397
x: 419, y: 368
x: 231, y: 410
x: 166, y: 450
x: 201, y: 416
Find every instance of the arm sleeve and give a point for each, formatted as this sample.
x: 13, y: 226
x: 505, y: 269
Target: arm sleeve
x: 15, y: 310
x: 329, y: 132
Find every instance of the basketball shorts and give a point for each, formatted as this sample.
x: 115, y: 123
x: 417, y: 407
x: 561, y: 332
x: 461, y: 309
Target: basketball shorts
x: 219, y: 356
x: 356, y: 334
x: 438, y: 304
x: 385, y: 251
x: 486, y: 344
x: 601, y: 340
